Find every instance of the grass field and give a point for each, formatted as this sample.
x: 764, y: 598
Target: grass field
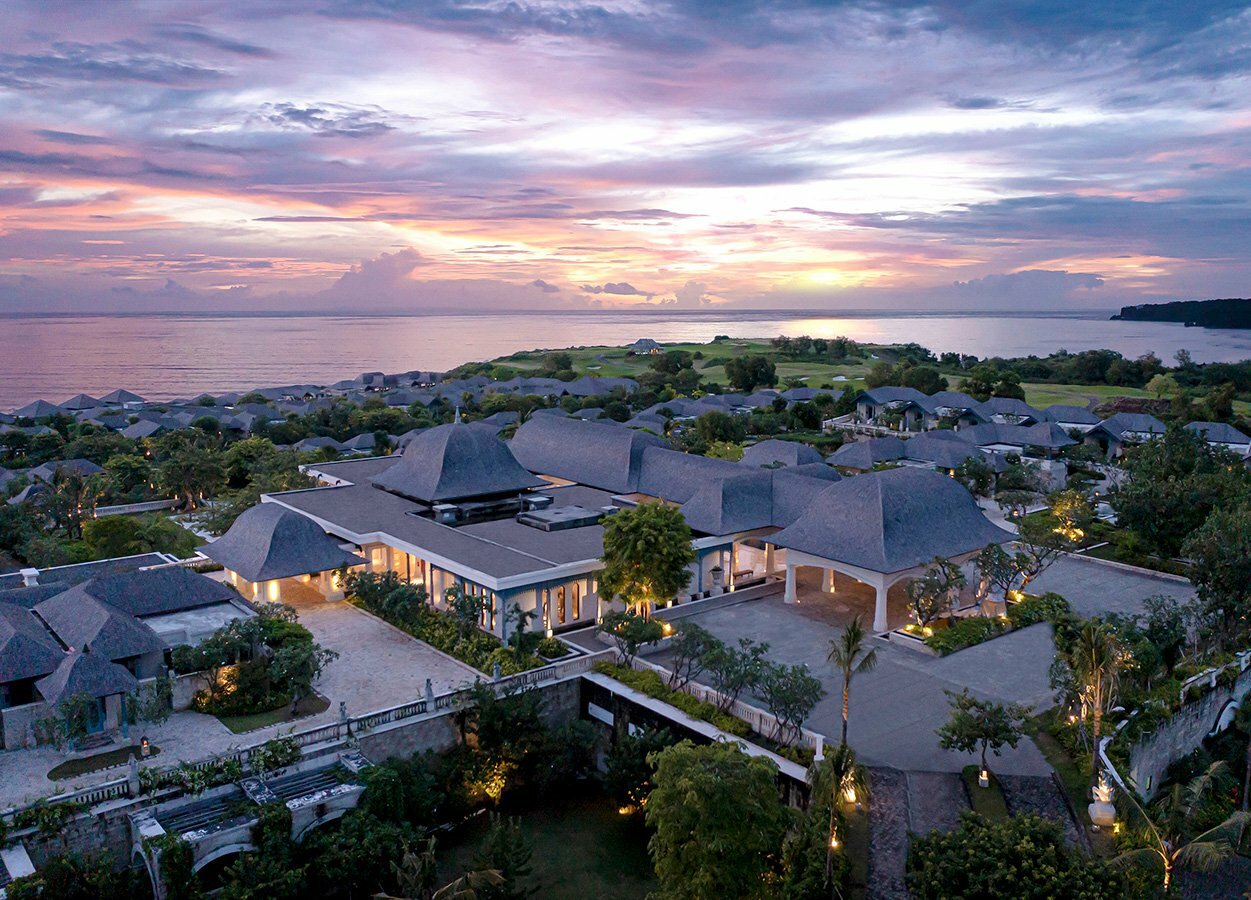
x: 582, y: 848
x: 309, y: 706
x: 987, y: 801
x: 614, y: 361
x: 72, y: 768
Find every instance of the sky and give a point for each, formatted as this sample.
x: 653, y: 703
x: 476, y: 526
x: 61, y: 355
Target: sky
x: 386, y: 155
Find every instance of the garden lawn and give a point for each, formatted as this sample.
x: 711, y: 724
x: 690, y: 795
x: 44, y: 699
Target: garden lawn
x: 986, y: 801
x: 583, y: 848
x: 72, y: 768
x: 309, y: 706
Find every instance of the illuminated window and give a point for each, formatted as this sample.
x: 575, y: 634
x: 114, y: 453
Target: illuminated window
x: 560, y: 605
x: 577, y: 600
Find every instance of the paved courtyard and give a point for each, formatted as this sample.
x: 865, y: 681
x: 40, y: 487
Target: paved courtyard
x: 896, y: 708
x: 378, y: 667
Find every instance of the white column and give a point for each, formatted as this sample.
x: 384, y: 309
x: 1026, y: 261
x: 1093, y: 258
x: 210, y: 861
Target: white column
x: 733, y: 565
x: 879, y: 612
x: 769, y: 561
x: 827, y: 580
x: 789, y: 596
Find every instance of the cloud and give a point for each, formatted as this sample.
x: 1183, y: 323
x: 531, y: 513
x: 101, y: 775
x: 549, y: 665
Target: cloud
x: 328, y: 119
x: 620, y: 288
x: 544, y: 286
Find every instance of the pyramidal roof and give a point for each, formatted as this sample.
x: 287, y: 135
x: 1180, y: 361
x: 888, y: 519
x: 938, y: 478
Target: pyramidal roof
x: 890, y: 521
x: 271, y: 541
x: 456, y: 462
x: 85, y: 673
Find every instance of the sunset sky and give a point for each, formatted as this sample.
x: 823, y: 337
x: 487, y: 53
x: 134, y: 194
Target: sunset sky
x: 390, y: 155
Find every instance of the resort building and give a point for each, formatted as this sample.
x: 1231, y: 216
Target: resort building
x: 520, y: 524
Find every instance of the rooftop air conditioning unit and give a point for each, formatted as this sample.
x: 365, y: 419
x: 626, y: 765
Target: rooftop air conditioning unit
x: 446, y: 513
x: 537, y: 501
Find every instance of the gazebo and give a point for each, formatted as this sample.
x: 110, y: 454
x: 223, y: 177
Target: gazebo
x: 270, y: 542
x: 881, y: 528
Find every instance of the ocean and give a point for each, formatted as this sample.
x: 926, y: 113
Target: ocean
x: 172, y: 356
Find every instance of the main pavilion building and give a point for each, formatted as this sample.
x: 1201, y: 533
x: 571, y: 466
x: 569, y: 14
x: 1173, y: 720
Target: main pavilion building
x: 521, y: 522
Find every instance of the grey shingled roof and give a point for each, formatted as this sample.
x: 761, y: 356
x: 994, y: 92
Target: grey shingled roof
x: 1074, y: 415
x: 1120, y: 424
x: 890, y: 521
x: 676, y: 476
x: 589, y: 453
x: 892, y: 394
x: 79, y: 620
x: 120, y: 396
x: 867, y: 454
x: 1218, y: 432
x: 38, y: 409
x: 456, y: 462
x: 1009, y: 406
x: 27, y: 650
x: 80, y: 572
x: 729, y: 505
x: 158, y: 591
x: 772, y: 452
x: 86, y: 673
x: 1047, y: 435
x: 269, y: 541
x: 941, y: 452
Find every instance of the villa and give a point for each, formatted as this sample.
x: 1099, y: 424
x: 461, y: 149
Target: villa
x: 101, y: 637
x: 1219, y: 434
x: 520, y: 524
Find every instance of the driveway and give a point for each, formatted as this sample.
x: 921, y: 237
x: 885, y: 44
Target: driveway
x: 896, y: 708
x: 1093, y: 588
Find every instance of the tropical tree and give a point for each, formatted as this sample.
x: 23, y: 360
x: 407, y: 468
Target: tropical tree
x: 790, y: 692
x: 630, y: 631
x: 981, y: 725
x: 191, y: 474
x: 1095, y: 657
x: 733, y: 670
x: 930, y: 595
x: 838, y: 779
x: 1220, y: 555
x: 718, y: 822
x: 73, y: 499
x: 689, y: 651
x: 646, y: 554
x: 1168, y: 829
x: 850, y: 656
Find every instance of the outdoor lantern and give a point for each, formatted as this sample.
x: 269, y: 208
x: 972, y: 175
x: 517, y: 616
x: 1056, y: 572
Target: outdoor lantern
x: 144, y: 747
x: 983, y: 778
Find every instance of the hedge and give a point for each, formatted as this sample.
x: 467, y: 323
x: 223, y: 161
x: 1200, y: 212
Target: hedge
x: 651, y: 684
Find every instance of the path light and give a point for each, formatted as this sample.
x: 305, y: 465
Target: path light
x: 833, y: 840
x: 983, y: 778
x: 145, y: 749
x: 849, y: 793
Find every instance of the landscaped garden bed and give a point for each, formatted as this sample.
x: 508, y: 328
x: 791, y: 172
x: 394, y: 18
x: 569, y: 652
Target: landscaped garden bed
x: 650, y: 683
x: 72, y: 768
x: 309, y: 705
x: 454, y: 631
x: 946, y: 636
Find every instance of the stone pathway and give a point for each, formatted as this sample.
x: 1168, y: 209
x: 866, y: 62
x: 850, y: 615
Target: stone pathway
x: 935, y: 801
x: 888, y: 834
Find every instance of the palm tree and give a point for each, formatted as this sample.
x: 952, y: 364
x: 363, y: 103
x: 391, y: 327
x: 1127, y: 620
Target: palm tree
x: 1095, y: 658
x: 1243, y: 723
x: 839, y: 776
x: 416, y: 872
x: 849, y: 656
x: 1166, y: 834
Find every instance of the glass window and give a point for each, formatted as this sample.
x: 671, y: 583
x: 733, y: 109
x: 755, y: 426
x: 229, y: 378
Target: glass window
x: 577, y: 600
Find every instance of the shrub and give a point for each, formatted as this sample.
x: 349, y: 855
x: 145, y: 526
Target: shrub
x: 650, y: 683
x: 1048, y: 607
x: 963, y: 633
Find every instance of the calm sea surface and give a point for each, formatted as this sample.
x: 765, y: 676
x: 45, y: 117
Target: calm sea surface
x: 169, y: 356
